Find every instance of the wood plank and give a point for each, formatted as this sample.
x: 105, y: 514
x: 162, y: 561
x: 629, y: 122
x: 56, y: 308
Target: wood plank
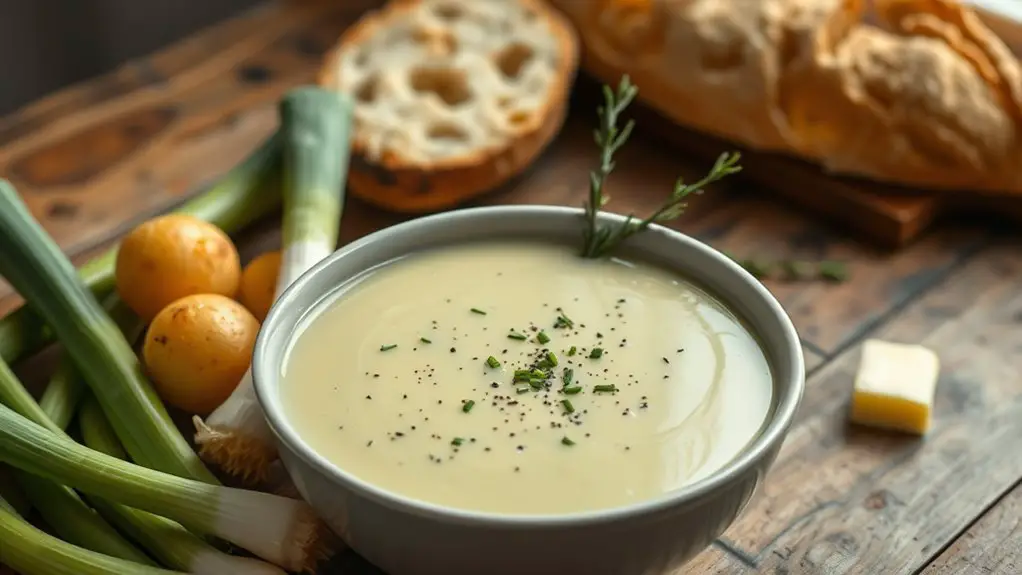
x: 827, y: 315
x: 714, y: 560
x: 92, y: 159
x: 843, y: 499
x: 992, y: 545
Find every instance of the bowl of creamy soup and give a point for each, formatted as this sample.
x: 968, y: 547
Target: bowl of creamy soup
x: 464, y: 394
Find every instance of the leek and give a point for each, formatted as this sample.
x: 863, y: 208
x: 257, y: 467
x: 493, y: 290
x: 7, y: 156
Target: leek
x: 315, y: 132
x: 30, y: 551
x: 169, y: 542
x: 240, y: 198
x: 59, y: 506
x: 280, y: 530
x: 65, y: 388
x: 12, y: 494
x: 35, y: 266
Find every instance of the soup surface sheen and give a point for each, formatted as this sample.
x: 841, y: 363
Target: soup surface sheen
x: 439, y: 416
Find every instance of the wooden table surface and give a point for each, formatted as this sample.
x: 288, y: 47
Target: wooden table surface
x: 94, y: 159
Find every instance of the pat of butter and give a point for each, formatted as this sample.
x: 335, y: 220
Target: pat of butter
x: 895, y: 386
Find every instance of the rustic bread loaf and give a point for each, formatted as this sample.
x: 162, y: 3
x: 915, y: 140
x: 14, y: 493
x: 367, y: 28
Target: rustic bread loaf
x: 915, y: 92
x: 454, y: 97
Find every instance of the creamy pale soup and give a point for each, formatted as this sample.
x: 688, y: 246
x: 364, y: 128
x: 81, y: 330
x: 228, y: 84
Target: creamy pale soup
x: 518, y: 378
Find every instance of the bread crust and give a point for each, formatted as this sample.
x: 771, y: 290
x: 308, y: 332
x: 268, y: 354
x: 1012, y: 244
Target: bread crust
x: 403, y: 184
x: 913, y: 92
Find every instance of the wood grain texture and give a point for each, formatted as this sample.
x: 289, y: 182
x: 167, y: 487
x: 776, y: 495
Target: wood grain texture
x: 843, y: 499
x: 992, y: 545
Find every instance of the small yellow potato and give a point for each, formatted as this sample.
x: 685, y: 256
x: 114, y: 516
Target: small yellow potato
x: 259, y: 284
x: 197, y: 349
x: 172, y: 256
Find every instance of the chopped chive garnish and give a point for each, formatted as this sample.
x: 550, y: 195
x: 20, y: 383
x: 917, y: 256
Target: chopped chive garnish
x: 563, y: 321
x: 572, y: 390
x: 457, y: 441
x: 516, y: 335
x: 542, y: 337
x: 605, y: 388
x: 523, y: 389
x: 568, y: 407
x: 551, y: 359
x: 492, y: 362
x: 425, y: 340
x: 537, y: 383
x: 833, y: 271
x: 567, y: 376
x: 476, y: 310
x: 566, y: 441
x: 388, y: 347
x: 572, y: 351
x: 522, y: 375
x: 597, y: 353
x: 467, y: 406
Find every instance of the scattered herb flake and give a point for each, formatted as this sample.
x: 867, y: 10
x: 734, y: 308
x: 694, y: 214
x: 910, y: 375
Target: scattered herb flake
x: 611, y: 388
x: 833, y: 271
x: 468, y: 405
x: 572, y: 390
x: 572, y: 351
x: 516, y: 335
x: 457, y: 441
x: 596, y: 353
x: 388, y: 347
x: 478, y: 311
x: 567, y: 376
x: 568, y: 407
x: 542, y: 337
x: 492, y: 362
x: 567, y: 441
x: 425, y: 340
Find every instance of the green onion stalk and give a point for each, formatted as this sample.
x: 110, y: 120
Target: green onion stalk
x: 32, y: 262
x: 30, y: 551
x: 280, y: 530
x: 168, y: 541
x: 60, y: 506
x: 243, y: 196
x: 315, y: 133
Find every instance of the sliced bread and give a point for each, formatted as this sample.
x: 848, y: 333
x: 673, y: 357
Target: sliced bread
x: 454, y: 97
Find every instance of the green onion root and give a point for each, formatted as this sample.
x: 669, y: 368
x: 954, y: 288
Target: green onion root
x: 315, y: 133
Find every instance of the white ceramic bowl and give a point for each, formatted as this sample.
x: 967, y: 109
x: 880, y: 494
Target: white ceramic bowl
x: 409, y: 537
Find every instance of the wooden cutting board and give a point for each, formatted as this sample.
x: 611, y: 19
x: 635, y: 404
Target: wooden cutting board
x: 889, y: 216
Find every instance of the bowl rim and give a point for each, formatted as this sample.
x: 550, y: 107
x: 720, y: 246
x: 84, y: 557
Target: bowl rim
x: 775, y: 428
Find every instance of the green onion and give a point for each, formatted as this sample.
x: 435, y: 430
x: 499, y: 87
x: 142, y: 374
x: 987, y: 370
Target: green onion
x: 468, y: 405
x: 315, y: 132
x: 605, y: 388
x: 572, y: 351
x: 35, y: 266
x: 169, y: 542
x: 563, y: 321
x: 60, y: 506
x: 551, y: 359
x: 567, y: 376
x: 572, y: 390
x: 522, y: 389
x: 478, y: 311
x: 833, y: 271
x: 493, y: 362
x: 388, y: 347
x: 516, y: 335
x: 542, y: 337
x: 537, y: 383
x: 596, y: 353
x: 243, y: 196
x: 457, y: 441
x: 280, y: 530
x: 566, y: 441
x: 30, y: 551
x: 66, y: 388
x: 568, y: 407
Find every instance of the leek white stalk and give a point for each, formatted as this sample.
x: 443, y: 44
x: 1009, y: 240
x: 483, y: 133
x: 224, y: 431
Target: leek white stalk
x: 169, y: 542
x: 30, y: 551
x: 315, y: 136
x: 280, y: 530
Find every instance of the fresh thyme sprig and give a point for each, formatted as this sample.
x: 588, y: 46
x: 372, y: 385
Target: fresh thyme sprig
x: 599, y: 239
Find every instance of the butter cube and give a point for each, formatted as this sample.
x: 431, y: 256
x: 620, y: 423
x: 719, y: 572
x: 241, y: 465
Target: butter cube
x: 895, y: 385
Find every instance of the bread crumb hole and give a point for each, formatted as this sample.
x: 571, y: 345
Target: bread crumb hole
x: 367, y: 90
x: 447, y: 133
x: 447, y: 11
x: 449, y: 84
x: 512, y: 59
x: 518, y: 118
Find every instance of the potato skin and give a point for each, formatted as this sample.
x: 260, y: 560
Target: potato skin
x: 172, y: 256
x: 197, y: 349
x: 259, y: 284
